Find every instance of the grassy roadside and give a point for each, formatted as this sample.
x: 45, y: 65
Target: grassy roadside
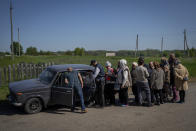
x: 3, y: 92
x: 190, y: 63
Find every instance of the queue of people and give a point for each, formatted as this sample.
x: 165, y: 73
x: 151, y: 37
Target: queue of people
x: 151, y: 84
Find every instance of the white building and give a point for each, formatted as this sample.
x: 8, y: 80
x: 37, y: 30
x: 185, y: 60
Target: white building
x: 110, y: 54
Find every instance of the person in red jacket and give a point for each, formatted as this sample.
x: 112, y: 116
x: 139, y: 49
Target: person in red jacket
x: 109, y: 87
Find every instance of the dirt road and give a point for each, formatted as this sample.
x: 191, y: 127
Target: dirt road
x: 167, y: 117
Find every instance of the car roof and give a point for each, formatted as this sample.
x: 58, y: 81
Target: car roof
x: 61, y: 68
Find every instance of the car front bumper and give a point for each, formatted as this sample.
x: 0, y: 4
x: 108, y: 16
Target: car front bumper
x: 13, y: 102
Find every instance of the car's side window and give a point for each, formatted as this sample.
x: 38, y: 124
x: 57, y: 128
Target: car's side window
x: 60, y: 80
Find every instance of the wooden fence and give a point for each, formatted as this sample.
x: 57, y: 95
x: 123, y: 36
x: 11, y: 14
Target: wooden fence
x: 21, y: 71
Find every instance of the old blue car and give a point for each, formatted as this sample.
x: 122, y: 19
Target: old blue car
x: 50, y: 88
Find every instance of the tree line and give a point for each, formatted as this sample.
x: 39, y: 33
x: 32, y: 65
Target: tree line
x: 18, y: 49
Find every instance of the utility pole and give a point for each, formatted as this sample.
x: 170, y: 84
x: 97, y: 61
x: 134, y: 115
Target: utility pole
x: 186, y: 48
x: 136, y: 50
x: 18, y: 42
x: 162, y: 46
x: 184, y: 41
x: 12, y: 46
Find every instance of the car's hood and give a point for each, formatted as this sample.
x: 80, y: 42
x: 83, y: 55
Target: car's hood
x: 25, y: 85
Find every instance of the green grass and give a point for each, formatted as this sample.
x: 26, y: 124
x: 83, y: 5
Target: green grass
x: 3, y: 92
x: 190, y: 63
x: 5, y: 61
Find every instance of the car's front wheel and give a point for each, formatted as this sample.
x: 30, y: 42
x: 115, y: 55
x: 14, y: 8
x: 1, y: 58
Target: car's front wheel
x: 33, y: 105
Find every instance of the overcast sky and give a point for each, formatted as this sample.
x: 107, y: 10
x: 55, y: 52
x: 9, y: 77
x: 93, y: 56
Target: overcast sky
x: 59, y: 25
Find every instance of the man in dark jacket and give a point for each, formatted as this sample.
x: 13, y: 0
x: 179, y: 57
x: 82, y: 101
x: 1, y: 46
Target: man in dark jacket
x: 99, y: 76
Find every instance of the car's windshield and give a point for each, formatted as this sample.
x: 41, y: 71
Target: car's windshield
x: 46, y: 76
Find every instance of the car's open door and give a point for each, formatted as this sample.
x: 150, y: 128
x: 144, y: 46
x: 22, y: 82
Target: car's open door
x: 61, y: 93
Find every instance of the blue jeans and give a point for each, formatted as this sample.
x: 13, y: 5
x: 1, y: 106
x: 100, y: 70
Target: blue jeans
x: 78, y: 89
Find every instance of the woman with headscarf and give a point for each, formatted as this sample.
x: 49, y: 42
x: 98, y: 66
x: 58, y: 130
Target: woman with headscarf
x: 181, y: 80
x: 124, y: 80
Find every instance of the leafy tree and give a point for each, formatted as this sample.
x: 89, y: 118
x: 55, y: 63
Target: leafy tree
x: 16, y: 48
x: 79, y: 51
x: 7, y: 53
x: 31, y: 51
x: 82, y: 51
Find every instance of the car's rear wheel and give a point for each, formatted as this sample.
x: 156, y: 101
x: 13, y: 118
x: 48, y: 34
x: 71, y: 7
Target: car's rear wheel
x: 33, y: 105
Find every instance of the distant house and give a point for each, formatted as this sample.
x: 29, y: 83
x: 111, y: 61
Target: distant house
x: 110, y: 54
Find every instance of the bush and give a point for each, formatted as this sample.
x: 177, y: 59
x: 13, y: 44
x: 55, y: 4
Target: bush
x: 16, y: 48
x: 31, y: 51
x: 79, y: 51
